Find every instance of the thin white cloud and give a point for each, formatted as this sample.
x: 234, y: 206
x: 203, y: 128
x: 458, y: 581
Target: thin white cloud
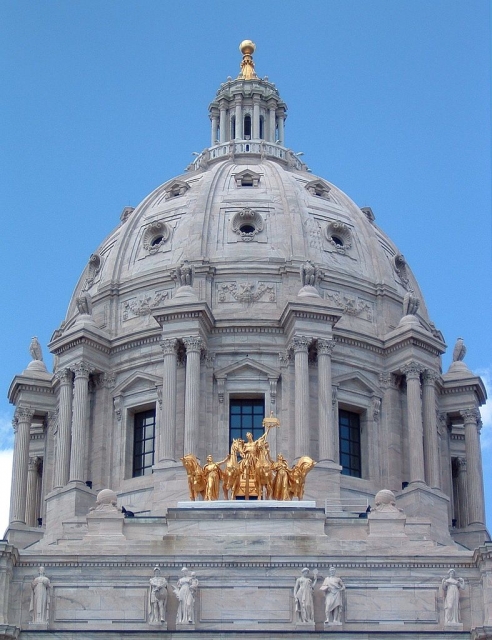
x: 5, y: 479
x: 6, y: 432
x: 486, y: 410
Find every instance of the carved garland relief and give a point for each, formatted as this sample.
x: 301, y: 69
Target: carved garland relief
x: 246, y: 292
x: 351, y: 305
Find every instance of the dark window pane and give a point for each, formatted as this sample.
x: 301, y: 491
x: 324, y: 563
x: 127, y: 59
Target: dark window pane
x: 350, y: 453
x: 143, y: 442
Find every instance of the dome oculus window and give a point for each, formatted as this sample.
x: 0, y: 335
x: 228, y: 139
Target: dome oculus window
x: 247, y: 224
x: 339, y: 236
x: 155, y: 236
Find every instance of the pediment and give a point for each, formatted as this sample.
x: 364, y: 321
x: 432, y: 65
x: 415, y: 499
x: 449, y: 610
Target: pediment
x: 318, y: 188
x: 357, y: 383
x: 137, y: 382
x: 247, y: 178
x: 176, y: 188
x: 247, y: 368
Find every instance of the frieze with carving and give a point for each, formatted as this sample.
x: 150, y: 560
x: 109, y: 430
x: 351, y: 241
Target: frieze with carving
x: 246, y: 292
x: 144, y: 304
x: 351, y: 305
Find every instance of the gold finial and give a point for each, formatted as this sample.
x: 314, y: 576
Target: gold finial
x: 247, y: 48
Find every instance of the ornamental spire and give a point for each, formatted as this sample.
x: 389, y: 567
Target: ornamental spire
x: 247, y: 48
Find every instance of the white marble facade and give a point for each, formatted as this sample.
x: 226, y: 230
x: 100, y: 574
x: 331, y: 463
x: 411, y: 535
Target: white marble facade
x: 247, y: 279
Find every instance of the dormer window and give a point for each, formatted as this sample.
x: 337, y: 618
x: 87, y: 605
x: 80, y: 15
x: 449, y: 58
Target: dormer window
x: 319, y: 189
x: 176, y: 188
x: 247, y: 178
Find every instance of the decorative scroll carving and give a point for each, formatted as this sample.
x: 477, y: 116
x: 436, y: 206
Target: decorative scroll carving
x: 284, y: 359
x: 53, y: 421
x: 246, y: 292
x: 93, y: 269
x: 400, y: 266
x: 351, y: 305
x: 300, y: 343
x: 247, y: 224
x: 117, y: 407
x: 156, y: 234
x: 144, y: 304
x: 376, y: 408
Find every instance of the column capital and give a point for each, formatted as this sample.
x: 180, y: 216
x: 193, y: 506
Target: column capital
x: 34, y: 463
x: 470, y: 415
x: 412, y: 370
x: 23, y: 414
x: 461, y: 464
x: 387, y: 380
x: 429, y: 376
x: 193, y: 344
x: 82, y: 370
x: 64, y: 376
x: 168, y: 346
x: 300, y: 344
x: 52, y: 420
x: 326, y: 347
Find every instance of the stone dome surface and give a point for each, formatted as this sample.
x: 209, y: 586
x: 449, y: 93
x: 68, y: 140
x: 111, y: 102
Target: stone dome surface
x: 256, y: 217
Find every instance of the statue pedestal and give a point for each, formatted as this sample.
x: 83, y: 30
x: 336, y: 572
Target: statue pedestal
x: 453, y: 626
x: 387, y: 524
x: 331, y: 626
x: 105, y: 525
x: 304, y: 626
x: 38, y: 626
x: 185, y: 627
x: 159, y: 625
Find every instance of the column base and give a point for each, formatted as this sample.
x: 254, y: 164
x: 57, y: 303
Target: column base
x: 22, y: 536
x: 432, y: 504
x: 323, y: 484
x: 472, y: 536
x: 68, y: 503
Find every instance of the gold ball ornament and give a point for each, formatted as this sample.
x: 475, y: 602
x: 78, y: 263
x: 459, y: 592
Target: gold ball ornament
x: 247, y: 47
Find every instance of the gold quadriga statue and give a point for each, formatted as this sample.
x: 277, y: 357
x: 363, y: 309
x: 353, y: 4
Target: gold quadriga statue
x: 249, y: 471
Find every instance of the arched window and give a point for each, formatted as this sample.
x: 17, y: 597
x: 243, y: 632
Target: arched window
x: 247, y: 127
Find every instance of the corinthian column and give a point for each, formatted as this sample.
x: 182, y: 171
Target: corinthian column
x: 431, y: 449
x: 167, y: 441
x: 474, y: 480
x: 300, y: 347
x: 79, y: 421
x: 192, y: 393
x: 326, y: 431
x: 32, y: 497
x: 22, y: 428
x: 62, y: 462
x: 412, y: 371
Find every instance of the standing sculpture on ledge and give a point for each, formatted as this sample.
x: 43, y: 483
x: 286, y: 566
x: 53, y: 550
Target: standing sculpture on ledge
x: 185, y: 592
x: 303, y: 596
x: 451, y: 587
x: 250, y: 471
x: 157, y: 598
x: 333, y: 587
x: 40, y: 598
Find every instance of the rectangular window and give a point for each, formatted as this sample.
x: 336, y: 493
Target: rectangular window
x: 143, y: 442
x: 349, y: 432
x: 245, y: 416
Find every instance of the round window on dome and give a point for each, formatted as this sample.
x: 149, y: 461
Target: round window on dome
x: 247, y: 228
x: 339, y: 236
x: 155, y: 236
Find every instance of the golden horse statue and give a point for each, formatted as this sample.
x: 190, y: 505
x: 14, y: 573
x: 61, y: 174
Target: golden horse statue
x: 196, y: 478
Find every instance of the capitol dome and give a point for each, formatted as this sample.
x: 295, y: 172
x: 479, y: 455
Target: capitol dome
x: 249, y: 287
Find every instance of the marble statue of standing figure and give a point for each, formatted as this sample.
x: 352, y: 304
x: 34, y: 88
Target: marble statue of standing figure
x: 303, y: 596
x: 333, y: 587
x: 157, y: 598
x: 185, y: 591
x: 451, y: 587
x: 40, y: 598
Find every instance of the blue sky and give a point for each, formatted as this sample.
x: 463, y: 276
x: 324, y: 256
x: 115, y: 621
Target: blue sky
x: 103, y: 101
